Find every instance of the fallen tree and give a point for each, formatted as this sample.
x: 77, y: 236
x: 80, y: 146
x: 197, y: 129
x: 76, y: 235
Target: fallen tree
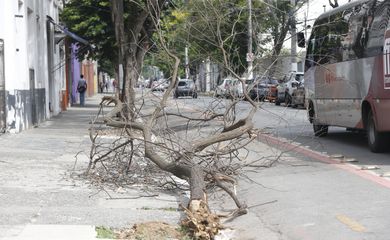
x: 203, y: 146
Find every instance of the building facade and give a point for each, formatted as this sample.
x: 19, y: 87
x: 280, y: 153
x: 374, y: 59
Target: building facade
x: 32, y: 59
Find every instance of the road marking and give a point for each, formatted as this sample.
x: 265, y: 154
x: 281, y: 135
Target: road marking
x: 352, y: 224
x: 322, y: 157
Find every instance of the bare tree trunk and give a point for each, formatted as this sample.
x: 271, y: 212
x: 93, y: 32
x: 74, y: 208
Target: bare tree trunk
x: 184, y: 163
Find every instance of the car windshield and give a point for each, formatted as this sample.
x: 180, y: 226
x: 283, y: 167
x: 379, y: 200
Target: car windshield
x: 249, y: 81
x: 182, y: 83
x: 228, y: 81
x: 299, y: 77
x: 268, y: 81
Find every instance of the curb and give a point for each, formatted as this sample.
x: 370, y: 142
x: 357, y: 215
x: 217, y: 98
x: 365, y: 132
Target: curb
x: 289, y: 146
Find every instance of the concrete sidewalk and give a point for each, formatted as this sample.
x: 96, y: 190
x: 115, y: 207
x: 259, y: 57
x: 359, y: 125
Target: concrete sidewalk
x: 39, y: 199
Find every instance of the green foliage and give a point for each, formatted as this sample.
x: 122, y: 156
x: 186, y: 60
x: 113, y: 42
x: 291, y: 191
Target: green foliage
x: 91, y: 19
x: 213, y: 29
x: 185, y: 232
x: 104, y: 232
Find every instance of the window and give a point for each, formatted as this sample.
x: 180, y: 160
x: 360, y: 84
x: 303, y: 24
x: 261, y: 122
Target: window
x: 378, y: 24
x: 350, y: 34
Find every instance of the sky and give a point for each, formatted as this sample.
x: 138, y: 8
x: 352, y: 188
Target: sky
x: 312, y: 10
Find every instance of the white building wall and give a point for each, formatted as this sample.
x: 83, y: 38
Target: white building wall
x: 27, y: 54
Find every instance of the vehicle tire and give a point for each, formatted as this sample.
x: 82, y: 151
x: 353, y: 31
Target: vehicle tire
x: 175, y: 95
x: 320, y: 130
x: 277, y: 101
x: 287, y: 100
x: 376, y: 140
x: 195, y: 95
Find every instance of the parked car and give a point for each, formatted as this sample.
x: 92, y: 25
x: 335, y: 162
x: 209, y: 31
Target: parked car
x: 298, y: 96
x: 272, y: 90
x: 185, y: 87
x: 147, y: 83
x: 258, y: 92
x: 265, y: 89
x: 230, y: 87
x: 248, y: 84
x: 160, y: 85
x: 287, y: 86
x: 272, y: 93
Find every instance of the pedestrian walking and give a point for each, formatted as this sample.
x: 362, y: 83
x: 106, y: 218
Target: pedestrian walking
x: 81, y: 88
x: 101, y: 86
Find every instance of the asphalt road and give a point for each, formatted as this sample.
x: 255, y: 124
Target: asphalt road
x: 292, y: 124
x: 305, y: 196
x: 339, y: 141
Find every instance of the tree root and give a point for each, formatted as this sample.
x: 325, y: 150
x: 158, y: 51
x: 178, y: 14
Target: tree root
x: 204, y: 224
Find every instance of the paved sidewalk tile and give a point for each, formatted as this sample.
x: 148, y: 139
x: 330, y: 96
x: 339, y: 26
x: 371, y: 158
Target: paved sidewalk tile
x: 57, y: 232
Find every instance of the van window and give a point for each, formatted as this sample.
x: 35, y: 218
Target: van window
x: 378, y: 27
x: 350, y: 34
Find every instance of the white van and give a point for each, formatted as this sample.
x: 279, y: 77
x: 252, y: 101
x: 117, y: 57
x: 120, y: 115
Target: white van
x: 347, y: 71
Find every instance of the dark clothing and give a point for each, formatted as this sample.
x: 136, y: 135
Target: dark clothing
x: 81, y: 88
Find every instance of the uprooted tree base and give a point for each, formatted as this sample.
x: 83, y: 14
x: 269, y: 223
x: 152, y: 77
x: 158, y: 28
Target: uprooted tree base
x: 148, y: 147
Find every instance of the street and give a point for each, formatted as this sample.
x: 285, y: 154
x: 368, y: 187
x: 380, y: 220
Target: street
x: 303, y: 195
x: 306, y: 197
x: 116, y: 114
x: 293, y: 124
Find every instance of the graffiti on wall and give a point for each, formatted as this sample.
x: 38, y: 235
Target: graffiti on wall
x: 19, y: 109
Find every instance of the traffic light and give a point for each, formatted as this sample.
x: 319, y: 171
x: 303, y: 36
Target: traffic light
x: 301, y: 39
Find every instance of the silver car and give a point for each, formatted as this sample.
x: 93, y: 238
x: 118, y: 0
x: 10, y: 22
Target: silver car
x: 185, y: 87
x: 229, y: 88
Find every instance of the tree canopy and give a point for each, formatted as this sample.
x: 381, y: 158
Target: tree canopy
x: 204, y: 26
x: 91, y: 19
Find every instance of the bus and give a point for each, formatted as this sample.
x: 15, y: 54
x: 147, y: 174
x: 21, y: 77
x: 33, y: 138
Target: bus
x: 347, y: 71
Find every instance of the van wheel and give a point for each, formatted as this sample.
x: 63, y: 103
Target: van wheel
x: 376, y: 140
x: 320, y: 130
x: 195, y: 95
x: 175, y: 95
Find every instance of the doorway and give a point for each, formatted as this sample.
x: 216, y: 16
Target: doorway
x: 34, y: 119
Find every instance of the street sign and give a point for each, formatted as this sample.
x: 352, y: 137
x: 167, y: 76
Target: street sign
x: 250, y: 57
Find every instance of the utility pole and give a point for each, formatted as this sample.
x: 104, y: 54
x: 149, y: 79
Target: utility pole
x: 249, y: 56
x: 293, y: 32
x: 208, y: 75
x: 187, y: 63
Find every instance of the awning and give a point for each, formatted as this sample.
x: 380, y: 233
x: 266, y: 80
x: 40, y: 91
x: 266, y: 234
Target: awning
x: 65, y: 32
